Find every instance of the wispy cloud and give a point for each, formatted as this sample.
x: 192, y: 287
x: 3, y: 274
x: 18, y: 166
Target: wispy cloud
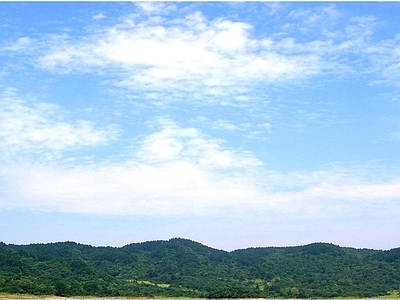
x: 99, y: 16
x: 39, y: 127
x: 173, y: 142
x: 156, y: 8
x: 385, y: 58
x: 204, y: 57
x: 179, y: 171
x: 306, y: 21
x: 197, y: 165
x: 174, y: 171
x: 21, y: 44
x: 247, y: 129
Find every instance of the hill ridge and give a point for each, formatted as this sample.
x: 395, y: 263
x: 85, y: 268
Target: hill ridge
x: 183, y: 267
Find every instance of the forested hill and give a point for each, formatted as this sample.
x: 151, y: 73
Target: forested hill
x: 181, y: 267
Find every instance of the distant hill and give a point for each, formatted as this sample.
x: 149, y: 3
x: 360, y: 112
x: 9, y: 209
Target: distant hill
x: 181, y: 267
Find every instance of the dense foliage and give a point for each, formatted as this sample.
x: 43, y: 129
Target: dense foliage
x: 181, y: 267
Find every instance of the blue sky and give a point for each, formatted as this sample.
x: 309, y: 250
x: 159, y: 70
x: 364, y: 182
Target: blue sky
x: 232, y: 124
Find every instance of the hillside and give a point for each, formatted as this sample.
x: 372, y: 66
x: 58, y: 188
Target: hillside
x: 181, y: 267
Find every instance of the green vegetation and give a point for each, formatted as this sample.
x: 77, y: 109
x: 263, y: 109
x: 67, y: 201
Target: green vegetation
x: 183, y: 268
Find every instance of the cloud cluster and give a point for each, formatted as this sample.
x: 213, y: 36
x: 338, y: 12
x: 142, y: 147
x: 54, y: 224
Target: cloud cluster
x: 174, y: 171
x: 39, y: 127
x: 172, y: 142
x: 196, y: 55
x: 179, y: 171
x: 192, y: 55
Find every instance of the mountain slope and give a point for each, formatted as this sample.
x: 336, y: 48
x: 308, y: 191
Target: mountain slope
x: 181, y: 267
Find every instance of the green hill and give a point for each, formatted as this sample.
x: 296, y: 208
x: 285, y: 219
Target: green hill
x: 181, y: 267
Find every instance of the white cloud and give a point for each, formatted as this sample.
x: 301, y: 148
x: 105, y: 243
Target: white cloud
x: 385, y: 58
x: 39, y: 127
x: 225, y: 125
x: 179, y: 171
x: 172, y: 142
x: 99, y: 16
x: 190, y: 55
x: 309, y: 18
x: 247, y: 129
x: 175, y: 171
x: 20, y: 44
x: 155, y: 8
x: 274, y: 7
x: 217, y: 58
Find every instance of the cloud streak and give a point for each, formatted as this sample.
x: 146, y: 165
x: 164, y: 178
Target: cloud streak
x: 38, y: 127
x: 174, y: 171
x: 206, y: 57
x: 179, y: 171
x: 212, y: 114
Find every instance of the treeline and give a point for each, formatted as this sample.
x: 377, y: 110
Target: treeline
x: 181, y: 267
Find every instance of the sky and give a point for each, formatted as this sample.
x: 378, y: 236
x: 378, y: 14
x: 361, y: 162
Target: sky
x: 234, y: 124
